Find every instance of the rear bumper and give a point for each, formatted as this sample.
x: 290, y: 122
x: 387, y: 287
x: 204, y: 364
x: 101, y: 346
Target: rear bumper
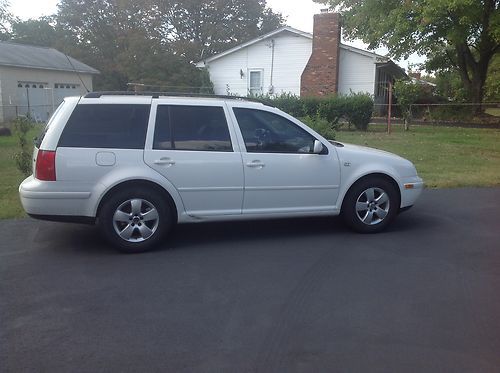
x: 65, y: 218
x: 53, y: 198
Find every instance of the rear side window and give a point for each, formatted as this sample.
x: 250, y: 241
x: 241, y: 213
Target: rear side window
x: 106, y: 126
x: 201, y: 128
x: 52, y: 119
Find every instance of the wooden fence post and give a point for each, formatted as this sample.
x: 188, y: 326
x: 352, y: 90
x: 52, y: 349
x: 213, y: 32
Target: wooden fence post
x: 389, y: 110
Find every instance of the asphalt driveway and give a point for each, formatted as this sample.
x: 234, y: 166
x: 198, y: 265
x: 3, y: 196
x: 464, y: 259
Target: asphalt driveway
x: 301, y: 295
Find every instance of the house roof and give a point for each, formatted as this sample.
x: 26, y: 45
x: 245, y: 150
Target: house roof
x: 392, y: 68
x: 286, y: 29
x: 29, y: 56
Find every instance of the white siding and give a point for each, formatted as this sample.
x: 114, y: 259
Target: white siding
x: 290, y: 58
x: 356, y: 72
x: 292, y: 52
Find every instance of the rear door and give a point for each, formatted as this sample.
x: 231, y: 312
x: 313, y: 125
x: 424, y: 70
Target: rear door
x: 194, y: 148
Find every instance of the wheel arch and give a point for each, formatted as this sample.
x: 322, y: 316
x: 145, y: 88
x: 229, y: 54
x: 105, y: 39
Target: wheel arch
x: 141, y: 183
x: 362, y: 178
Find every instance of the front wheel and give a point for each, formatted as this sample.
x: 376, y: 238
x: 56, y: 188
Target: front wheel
x: 370, y: 205
x: 135, y: 220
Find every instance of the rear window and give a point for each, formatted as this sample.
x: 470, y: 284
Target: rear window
x: 106, y: 126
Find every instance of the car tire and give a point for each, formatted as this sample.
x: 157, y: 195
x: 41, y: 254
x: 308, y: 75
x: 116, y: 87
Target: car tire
x: 135, y: 220
x: 370, y: 205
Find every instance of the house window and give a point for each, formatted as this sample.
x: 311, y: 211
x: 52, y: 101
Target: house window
x: 255, y: 82
x: 66, y: 86
x: 30, y: 85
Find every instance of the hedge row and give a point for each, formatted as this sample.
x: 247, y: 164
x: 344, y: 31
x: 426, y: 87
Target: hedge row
x: 355, y: 109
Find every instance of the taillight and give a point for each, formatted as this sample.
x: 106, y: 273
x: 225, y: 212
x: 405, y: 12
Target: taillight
x: 46, y: 165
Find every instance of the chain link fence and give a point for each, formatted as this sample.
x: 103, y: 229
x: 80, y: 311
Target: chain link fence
x: 449, y: 114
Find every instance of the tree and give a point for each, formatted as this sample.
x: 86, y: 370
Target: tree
x: 41, y: 32
x: 406, y: 93
x: 492, y: 86
x: 463, y: 35
x: 119, y: 39
x: 154, y: 41
x: 198, y: 29
x: 449, y: 85
x: 5, y: 20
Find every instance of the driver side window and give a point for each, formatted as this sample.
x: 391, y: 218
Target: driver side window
x: 265, y: 132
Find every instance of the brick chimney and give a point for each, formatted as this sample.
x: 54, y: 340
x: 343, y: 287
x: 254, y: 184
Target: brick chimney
x: 320, y: 77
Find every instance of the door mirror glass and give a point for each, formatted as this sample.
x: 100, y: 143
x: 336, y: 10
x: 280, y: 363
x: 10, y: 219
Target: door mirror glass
x: 318, y: 147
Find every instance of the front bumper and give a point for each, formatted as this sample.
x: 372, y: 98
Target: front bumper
x: 411, y: 189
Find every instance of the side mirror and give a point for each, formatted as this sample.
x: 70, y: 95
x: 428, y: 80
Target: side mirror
x: 318, y: 147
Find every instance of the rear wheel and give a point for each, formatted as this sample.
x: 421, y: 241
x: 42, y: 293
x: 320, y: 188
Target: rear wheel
x: 370, y: 205
x: 135, y: 220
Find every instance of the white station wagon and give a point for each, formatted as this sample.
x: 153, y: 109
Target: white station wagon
x: 138, y: 164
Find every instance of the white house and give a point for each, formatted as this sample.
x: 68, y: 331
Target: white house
x: 289, y: 60
x: 34, y: 80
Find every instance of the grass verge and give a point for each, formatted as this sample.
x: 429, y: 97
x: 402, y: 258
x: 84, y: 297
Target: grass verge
x: 445, y: 157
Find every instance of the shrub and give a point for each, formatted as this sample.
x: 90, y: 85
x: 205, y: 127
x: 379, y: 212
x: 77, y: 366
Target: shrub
x: 332, y: 109
x: 450, y: 113
x: 290, y: 104
x: 321, y: 126
x: 311, y: 105
x: 22, y: 126
x: 356, y: 109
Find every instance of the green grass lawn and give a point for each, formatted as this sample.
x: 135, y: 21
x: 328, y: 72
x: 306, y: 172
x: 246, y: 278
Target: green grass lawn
x: 444, y: 157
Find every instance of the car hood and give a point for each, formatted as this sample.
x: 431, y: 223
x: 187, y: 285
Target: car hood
x: 351, y: 149
x: 356, y: 156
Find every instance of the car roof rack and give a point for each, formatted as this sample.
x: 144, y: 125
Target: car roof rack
x: 99, y: 94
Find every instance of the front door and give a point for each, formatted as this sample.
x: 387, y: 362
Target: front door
x: 193, y: 149
x: 281, y: 173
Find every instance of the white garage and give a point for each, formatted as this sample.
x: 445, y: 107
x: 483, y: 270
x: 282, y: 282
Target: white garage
x: 34, y: 80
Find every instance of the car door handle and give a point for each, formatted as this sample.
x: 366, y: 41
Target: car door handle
x: 164, y: 161
x: 255, y: 164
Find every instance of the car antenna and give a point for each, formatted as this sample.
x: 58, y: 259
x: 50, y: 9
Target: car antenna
x: 77, y: 73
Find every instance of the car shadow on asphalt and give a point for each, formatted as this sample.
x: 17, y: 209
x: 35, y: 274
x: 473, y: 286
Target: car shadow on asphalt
x: 259, y: 230
x: 87, y: 239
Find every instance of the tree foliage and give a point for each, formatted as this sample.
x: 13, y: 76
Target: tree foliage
x: 5, y: 20
x: 406, y: 93
x: 199, y: 29
x: 152, y: 42
x: 39, y: 32
x: 492, y: 86
x: 459, y: 35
